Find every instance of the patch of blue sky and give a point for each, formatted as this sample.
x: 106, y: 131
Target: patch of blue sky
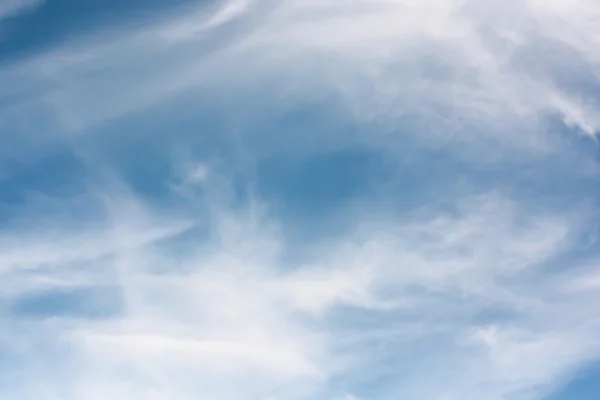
x: 585, y: 386
x: 53, y: 23
x: 94, y: 302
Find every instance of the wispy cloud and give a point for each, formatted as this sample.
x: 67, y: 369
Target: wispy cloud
x: 446, y: 66
x: 453, y: 293
x: 466, y: 268
x: 10, y: 8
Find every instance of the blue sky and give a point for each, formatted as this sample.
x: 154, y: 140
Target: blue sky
x: 299, y: 199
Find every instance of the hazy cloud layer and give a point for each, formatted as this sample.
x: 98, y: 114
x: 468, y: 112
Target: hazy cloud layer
x: 303, y: 200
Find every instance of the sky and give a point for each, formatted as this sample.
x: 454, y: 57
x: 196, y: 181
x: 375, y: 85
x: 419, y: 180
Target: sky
x: 299, y: 200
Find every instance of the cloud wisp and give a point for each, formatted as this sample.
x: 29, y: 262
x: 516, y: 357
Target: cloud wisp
x: 454, y: 63
x: 11, y: 8
x: 448, y: 305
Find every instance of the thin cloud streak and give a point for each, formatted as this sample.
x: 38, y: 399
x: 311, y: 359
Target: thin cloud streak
x: 11, y: 8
